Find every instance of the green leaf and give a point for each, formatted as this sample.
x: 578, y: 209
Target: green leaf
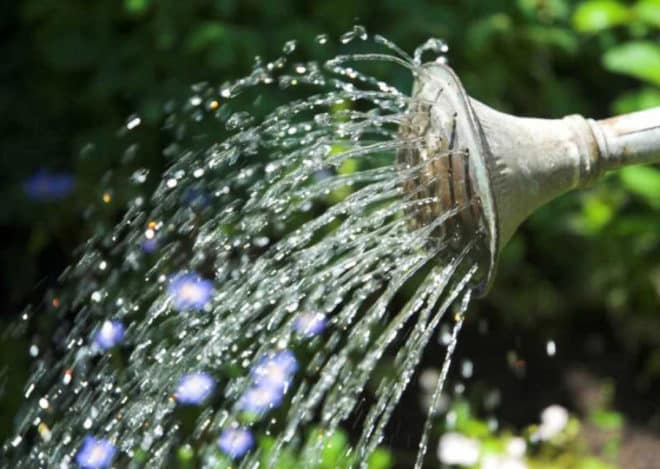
x: 597, y: 15
x: 597, y: 213
x: 334, y: 449
x: 204, y: 35
x: 644, y: 98
x: 638, y: 59
x: 563, y: 39
x: 592, y: 463
x: 186, y: 457
x: 607, y: 420
x: 285, y: 458
x: 475, y: 428
x: 380, y: 459
x: 648, y: 11
x: 136, y: 7
x: 643, y: 181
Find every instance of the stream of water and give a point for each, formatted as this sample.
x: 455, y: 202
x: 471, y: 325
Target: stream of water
x: 258, y: 289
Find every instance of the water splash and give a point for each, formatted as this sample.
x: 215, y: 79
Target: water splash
x: 262, y: 279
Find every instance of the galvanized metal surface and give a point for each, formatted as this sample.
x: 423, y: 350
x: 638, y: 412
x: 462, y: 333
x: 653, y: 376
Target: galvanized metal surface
x: 629, y: 139
x: 454, y: 171
x: 513, y: 164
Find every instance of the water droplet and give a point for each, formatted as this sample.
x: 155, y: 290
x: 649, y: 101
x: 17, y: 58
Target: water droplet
x: 97, y: 296
x: 437, y: 46
x: 322, y: 39
x: 139, y: 176
x: 289, y: 46
x: 239, y: 120
x: 133, y: 122
x: 551, y: 348
x: 358, y: 31
x: 467, y: 369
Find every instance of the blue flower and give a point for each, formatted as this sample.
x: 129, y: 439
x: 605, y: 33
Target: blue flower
x: 109, y: 334
x: 190, y: 291
x: 309, y: 324
x: 261, y: 399
x: 194, y: 388
x: 149, y: 245
x: 235, y: 442
x: 196, y: 198
x: 44, y: 186
x: 95, y: 454
x: 275, y: 370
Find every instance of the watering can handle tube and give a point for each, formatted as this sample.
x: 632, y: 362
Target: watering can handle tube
x: 628, y: 139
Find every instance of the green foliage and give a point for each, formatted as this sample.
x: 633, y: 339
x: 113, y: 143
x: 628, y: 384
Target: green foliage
x: 643, y: 181
x: 568, y: 448
x: 648, y: 11
x: 335, y: 453
x: 380, y: 459
x: 639, y: 59
x: 607, y: 420
x: 596, y: 15
x: 644, y: 98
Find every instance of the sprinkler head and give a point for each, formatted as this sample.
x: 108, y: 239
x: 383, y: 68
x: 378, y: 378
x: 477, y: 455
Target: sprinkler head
x: 497, y: 169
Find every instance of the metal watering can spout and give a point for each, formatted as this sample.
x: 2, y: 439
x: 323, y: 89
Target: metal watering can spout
x: 505, y: 167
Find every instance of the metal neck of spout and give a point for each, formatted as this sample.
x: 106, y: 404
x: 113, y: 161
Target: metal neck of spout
x: 532, y: 161
x: 628, y: 139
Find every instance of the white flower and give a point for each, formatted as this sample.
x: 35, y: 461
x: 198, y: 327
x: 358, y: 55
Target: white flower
x: 553, y: 421
x: 502, y: 462
x: 428, y: 379
x: 457, y: 449
x: 516, y: 447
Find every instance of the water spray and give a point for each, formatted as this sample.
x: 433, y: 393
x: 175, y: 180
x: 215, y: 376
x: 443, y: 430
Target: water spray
x: 281, y: 261
x: 504, y: 166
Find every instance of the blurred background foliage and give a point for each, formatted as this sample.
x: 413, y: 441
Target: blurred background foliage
x: 584, y: 272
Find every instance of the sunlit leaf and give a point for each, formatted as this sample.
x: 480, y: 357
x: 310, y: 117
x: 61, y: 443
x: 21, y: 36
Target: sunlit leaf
x: 597, y: 213
x: 644, y: 98
x: 186, y: 457
x: 597, y: 15
x: 638, y: 59
x: 380, y: 459
x: 593, y: 463
x: 334, y: 449
x: 643, y: 181
x: 648, y: 11
x: 607, y: 420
